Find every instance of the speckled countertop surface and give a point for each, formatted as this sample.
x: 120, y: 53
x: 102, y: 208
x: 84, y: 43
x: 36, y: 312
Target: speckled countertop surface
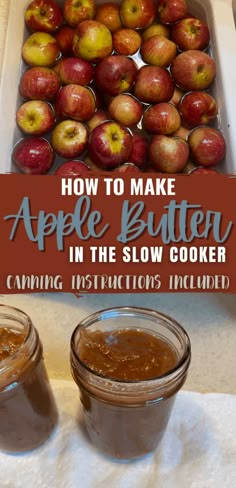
x: 210, y: 319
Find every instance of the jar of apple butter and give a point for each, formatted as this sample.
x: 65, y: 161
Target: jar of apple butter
x: 28, y: 412
x: 128, y: 363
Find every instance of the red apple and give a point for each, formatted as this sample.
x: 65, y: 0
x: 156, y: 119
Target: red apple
x: 69, y: 138
x: 33, y: 155
x: 139, y: 153
x: 178, y: 94
x: 108, y: 13
x: 64, y: 40
x: 43, y: 15
x: 158, y: 51
x: 74, y: 70
x: 168, y: 154
x: 197, y: 108
x: 115, y: 74
x: 127, y: 168
x: 162, y: 118
x: 39, y: 84
x: 92, y: 41
x: 137, y: 14
x: 170, y: 11
x: 41, y: 49
x: 35, y: 117
x: 126, y: 41
x: 190, y: 33
x: 75, y: 11
x: 97, y: 119
x: 203, y: 171
x: 75, y: 102
x: 72, y: 168
x: 110, y: 145
x: 207, y: 146
x: 126, y: 109
x: 153, y: 85
x: 156, y: 29
x: 182, y: 132
x: 193, y: 70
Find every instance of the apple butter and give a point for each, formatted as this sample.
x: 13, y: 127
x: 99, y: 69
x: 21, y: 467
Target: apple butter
x: 10, y: 341
x: 129, y: 363
x: 28, y: 412
x: 126, y: 354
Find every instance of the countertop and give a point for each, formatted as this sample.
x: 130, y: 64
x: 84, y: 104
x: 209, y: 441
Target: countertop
x: 210, y: 319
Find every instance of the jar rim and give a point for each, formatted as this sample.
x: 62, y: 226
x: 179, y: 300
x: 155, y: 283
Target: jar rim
x: 5, y: 311
x: 150, y: 314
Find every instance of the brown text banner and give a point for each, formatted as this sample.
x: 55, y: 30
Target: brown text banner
x: 108, y: 234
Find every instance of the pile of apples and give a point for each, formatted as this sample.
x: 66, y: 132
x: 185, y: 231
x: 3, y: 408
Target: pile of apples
x: 119, y: 87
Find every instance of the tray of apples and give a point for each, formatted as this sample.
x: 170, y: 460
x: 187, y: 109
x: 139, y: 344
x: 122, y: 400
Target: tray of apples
x: 135, y: 86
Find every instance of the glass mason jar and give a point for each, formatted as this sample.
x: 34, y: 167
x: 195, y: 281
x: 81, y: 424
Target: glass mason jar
x: 28, y: 412
x: 127, y: 419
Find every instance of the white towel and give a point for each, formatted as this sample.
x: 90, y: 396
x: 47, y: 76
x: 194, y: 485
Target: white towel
x: 198, y: 450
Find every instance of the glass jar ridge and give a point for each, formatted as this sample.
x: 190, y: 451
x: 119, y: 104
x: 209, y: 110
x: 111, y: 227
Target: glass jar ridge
x: 28, y: 410
x: 15, y: 319
x: 136, y: 408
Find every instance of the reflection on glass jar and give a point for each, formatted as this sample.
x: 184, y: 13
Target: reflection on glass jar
x: 28, y: 412
x: 129, y: 363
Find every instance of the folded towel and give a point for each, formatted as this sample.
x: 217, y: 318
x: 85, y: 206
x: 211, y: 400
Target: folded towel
x: 198, y: 450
